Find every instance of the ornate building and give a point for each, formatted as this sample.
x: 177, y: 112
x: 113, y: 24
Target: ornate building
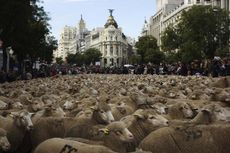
x: 169, y: 12
x: 111, y: 41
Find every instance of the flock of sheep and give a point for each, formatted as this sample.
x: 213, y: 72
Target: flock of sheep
x: 115, y: 114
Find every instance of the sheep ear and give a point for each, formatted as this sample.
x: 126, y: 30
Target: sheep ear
x: 94, y: 108
x: 139, y: 116
x: 32, y: 114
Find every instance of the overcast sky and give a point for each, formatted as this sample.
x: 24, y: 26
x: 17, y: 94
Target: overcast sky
x: 129, y: 14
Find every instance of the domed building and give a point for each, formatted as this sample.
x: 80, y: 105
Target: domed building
x: 111, y: 41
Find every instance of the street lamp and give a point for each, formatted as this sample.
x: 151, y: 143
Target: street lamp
x: 216, y: 11
x: 9, y: 53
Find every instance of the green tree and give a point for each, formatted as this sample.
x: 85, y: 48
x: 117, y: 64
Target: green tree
x: 25, y: 28
x: 144, y: 43
x: 154, y: 56
x: 134, y: 59
x: 71, y: 59
x: 170, y: 39
x: 92, y: 55
x: 202, y: 32
x: 59, y: 60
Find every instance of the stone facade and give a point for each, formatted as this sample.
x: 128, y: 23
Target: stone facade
x: 112, y: 43
x: 169, y: 12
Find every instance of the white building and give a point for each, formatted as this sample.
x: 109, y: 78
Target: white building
x: 111, y: 41
x: 169, y: 12
x: 66, y: 44
x: 72, y: 40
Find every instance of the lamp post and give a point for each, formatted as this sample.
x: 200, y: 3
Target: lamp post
x: 219, y: 26
x: 1, y: 54
x: 9, y: 53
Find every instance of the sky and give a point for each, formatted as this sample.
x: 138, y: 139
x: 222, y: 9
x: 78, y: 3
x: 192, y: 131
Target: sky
x: 129, y: 14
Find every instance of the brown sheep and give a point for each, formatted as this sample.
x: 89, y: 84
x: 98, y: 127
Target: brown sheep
x: 16, y: 125
x: 59, y: 145
x: 114, y: 137
x: 212, y: 113
x: 120, y: 109
x: 180, y: 110
x: 198, y: 139
x: 48, y: 111
x: 50, y: 127
x: 223, y: 82
x: 143, y: 122
x: 4, y: 143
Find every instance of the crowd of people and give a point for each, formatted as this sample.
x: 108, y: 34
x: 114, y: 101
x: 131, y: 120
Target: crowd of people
x: 214, y: 68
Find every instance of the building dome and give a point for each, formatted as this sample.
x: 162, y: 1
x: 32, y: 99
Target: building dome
x: 111, y: 20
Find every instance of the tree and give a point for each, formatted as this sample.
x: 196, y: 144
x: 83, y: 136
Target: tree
x: 170, y: 39
x: 154, y: 56
x: 71, y: 59
x: 25, y: 28
x: 134, y: 59
x: 144, y: 43
x: 202, y: 32
x: 92, y: 55
x: 59, y: 60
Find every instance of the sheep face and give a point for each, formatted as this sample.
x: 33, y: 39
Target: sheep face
x: 160, y: 108
x: 150, y: 120
x: 17, y: 105
x: 4, y: 143
x: 68, y: 105
x: 107, y: 116
x: 119, y: 131
x: 157, y: 120
x: 186, y: 110
x: 23, y: 119
x: 55, y: 111
x: 221, y: 113
x: 3, y: 105
x: 36, y: 105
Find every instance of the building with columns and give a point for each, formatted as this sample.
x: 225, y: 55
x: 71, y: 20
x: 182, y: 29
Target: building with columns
x: 169, y: 12
x: 111, y: 41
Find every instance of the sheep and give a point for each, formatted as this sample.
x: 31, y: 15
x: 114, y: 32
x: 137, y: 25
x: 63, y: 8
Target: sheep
x: 198, y: 139
x: 223, y: 82
x: 143, y: 122
x: 4, y: 143
x: 3, y: 105
x: 211, y: 113
x: 50, y: 127
x: 120, y: 109
x: 16, y: 125
x: 101, y: 115
x: 113, y: 137
x: 180, y: 110
x: 59, y: 145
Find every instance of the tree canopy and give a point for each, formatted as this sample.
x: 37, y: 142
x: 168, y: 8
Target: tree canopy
x: 24, y: 26
x: 90, y: 56
x: 148, y: 49
x: 202, y: 32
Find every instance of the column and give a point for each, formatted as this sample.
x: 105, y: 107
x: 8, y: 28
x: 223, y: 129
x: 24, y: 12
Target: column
x: 228, y: 5
x: 222, y: 4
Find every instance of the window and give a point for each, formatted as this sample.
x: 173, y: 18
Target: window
x: 111, y: 50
